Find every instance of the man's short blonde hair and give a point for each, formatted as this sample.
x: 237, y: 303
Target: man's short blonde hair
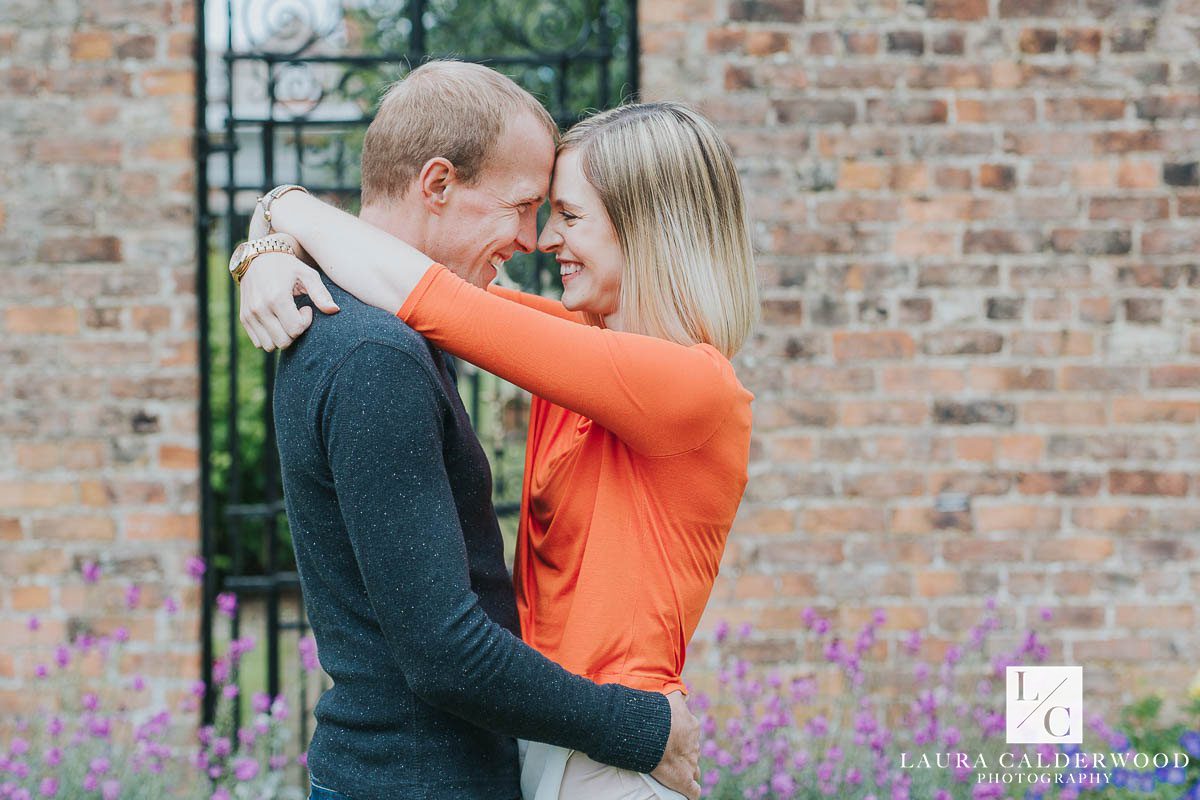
x: 452, y: 109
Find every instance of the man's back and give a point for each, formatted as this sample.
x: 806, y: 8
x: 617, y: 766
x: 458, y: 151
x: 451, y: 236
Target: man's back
x: 353, y: 379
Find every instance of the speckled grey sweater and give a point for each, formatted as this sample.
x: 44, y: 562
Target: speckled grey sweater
x: 388, y: 493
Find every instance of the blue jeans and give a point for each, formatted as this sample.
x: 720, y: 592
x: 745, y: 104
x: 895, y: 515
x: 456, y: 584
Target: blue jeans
x: 321, y: 793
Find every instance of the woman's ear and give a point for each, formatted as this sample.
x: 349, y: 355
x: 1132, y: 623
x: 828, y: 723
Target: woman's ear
x: 434, y: 182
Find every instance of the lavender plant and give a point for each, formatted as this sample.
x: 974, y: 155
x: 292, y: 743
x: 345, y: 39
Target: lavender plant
x: 767, y: 738
x: 104, y: 744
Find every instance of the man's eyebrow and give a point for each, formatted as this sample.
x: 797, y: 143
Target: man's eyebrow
x: 536, y: 199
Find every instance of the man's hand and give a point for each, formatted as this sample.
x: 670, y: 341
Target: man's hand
x: 268, y: 310
x: 680, y: 765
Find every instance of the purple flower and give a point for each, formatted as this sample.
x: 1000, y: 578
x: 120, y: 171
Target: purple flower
x: 33, y: 623
x: 722, y: 632
x: 1190, y: 741
x: 55, y: 727
x: 133, y: 596
x: 220, y: 794
x: 261, y: 702
x: 279, y: 707
x: 170, y: 605
x: 121, y: 634
x: 308, y: 654
x: 62, y: 656
x: 110, y: 790
x: 302, y: 759
x: 139, y: 683
x: 227, y: 604
x: 52, y: 757
x: 91, y: 571
x: 744, y: 630
x: 1046, y: 614
x: 222, y: 747
x: 195, y: 567
x: 18, y: 747
x: 230, y: 691
x: 277, y: 762
x: 220, y: 670
x: 783, y: 785
x: 90, y: 701
x: 245, y: 769
x: 41, y: 671
x: 48, y: 787
x: 99, y: 765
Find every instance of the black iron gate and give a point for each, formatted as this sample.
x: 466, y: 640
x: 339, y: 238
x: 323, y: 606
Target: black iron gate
x: 286, y: 89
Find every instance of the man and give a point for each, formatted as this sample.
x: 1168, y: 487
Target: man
x: 389, y: 493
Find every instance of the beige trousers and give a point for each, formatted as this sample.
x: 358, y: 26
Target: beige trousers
x: 555, y: 773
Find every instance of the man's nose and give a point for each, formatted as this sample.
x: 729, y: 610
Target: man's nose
x: 527, y: 236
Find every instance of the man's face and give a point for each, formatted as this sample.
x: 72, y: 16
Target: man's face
x: 484, y: 224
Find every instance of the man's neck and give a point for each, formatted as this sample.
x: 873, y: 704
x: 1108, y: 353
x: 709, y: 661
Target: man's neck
x: 406, y: 224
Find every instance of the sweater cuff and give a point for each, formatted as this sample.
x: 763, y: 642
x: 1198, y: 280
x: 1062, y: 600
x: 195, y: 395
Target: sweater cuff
x: 641, y: 726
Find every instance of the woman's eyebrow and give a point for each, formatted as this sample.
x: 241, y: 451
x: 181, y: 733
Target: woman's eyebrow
x: 565, y: 203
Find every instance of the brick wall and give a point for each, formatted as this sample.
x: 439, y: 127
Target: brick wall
x: 98, y: 378
x: 979, y: 368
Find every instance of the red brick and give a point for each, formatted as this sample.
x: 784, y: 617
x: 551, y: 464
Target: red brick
x: 95, y: 45
x: 75, y: 528
x: 1009, y: 379
x: 1084, y: 109
x: 41, y: 319
x: 162, y: 527
x: 962, y: 10
x: 1181, y: 376
x: 160, y: 82
x: 1140, y: 410
x: 1114, y: 519
x: 1176, y: 617
x: 1148, y: 482
x: 873, y: 345
x: 887, y: 413
x: 1018, y: 518
x: 80, y: 248
x: 842, y: 520
x: 982, y: 551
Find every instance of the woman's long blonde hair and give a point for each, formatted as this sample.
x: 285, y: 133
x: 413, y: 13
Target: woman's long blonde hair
x: 669, y: 185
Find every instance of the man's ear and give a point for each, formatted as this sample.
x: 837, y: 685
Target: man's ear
x: 434, y: 182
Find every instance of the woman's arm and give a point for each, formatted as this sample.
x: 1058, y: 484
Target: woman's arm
x: 543, y: 304
x: 374, y: 266
x: 659, y: 397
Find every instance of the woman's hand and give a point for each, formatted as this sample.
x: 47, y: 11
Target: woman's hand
x: 267, y: 299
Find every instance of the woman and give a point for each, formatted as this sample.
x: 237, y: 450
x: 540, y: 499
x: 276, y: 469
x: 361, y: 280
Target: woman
x: 639, y: 429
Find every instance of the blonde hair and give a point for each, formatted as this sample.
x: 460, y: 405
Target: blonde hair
x: 669, y: 185
x: 446, y: 108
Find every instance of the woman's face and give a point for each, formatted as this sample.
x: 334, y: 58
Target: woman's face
x: 581, y: 236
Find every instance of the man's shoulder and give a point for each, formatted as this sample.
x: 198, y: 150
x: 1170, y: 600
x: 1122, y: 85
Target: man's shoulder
x: 333, y: 337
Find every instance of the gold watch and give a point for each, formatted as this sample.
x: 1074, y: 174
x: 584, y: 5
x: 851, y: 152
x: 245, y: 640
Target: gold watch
x: 270, y: 197
x: 246, y: 252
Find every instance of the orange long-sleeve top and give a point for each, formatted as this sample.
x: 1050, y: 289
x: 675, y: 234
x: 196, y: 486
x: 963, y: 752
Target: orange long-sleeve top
x: 635, y: 465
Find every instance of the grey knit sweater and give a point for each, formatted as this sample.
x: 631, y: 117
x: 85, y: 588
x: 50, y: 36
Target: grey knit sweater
x: 388, y: 494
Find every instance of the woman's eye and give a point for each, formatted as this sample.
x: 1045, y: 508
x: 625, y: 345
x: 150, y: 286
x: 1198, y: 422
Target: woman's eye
x: 569, y: 217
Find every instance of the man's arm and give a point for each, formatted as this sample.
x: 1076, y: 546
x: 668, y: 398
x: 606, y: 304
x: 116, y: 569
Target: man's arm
x: 381, y: 427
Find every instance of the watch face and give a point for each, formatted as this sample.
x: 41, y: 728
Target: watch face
x: 239, y: 253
